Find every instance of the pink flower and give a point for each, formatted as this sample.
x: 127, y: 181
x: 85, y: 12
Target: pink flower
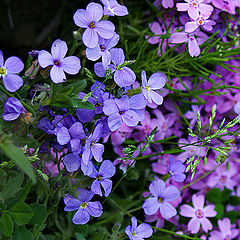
x: 223, y: 177
x: 199, y: 20
x: 193, y: 7
x: 198, y: 213
x: 190, y: 38
x: 226, y: 232
x: 226, y: 5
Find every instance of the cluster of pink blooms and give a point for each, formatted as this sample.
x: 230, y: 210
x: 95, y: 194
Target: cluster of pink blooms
x: 197, y: 19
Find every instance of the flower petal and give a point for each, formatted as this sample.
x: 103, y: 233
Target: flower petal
x: 97, y: 151
x: 151, y: 205
x: 59, y: 49
x: 1, y: 59
x: 156, y: 81
x: 107, y: 169
x: 157, y: 187
x: 107, y: 186
x: 96, y: 187
x: 95, y: 209
x: 45, y: 59
x: 206, y: 225
x: 187, y: 211
x: 12, y: 82
x: 124, y: 77
x: 95, y: 10
x: 198, y: 201
x: 117, y: 55
x: 90, y: 38
x: 72, y: 162
x: 114, y: 121
x: 82, y: 18
x: 170, y: 193
x: 71, y: 65
x: 94, y: 54
x: 167, y: 210
x: 194, y: 225
x: 57, y: 75
x: 81, y: 216
x: 72, y: 204
x: 14, y: 65
x: 105, y: 29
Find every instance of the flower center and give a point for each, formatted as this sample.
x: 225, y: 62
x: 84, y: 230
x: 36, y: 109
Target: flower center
x: 102, y: 48
x: 199, y: 213
x: 27, y: 117
x: 92, y: 25
x: 134, y: 234
x: 121, y: 112
x: 97, y: 104
x: 110, y: 9
x: 223, y: 178
x: 147, y: 88
x: 160, y: 199
x: 92, y: 143
x: 171, y: 173
x: 83, y: 205
x: 57, y: 63
x: 3, y: 71
x: 99, y: 178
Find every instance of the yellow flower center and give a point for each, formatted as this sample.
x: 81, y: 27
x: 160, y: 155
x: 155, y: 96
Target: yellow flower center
x: 92, y: 25
x: 134, y: 234
x: 171, y: 173
x: 99, y: 178
x: 147, y: 88
x: 83, y: 205
x: 160, y: 199
x: 3, y: 71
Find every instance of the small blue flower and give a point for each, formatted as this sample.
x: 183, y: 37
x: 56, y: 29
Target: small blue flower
x: 176, y: 170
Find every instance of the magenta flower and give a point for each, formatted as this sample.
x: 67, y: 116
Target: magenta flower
x: 226, y: 5
x: 223, y: 177
x: 90, y: 19
x: 226, y: 231
x: 8, y: 71
x: 140, y: 232
x: 193, y: 7
x: 58, y: 61
x: 193, y: 43
x: 198, y: 213
x: 156, y: 81
x: 162, y: 195
x: 111, y: 8
x: 199, y: 20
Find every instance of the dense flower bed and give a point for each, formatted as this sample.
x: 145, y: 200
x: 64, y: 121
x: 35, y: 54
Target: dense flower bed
x: 130, y: 130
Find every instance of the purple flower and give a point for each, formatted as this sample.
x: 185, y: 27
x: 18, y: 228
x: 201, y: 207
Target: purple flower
x: 102, y: 50
x: 176, y: 170
x: 228, y: 6
x: 198, y: 213
x: 226, y: 232
x: 193, y: 7
x: 90, y: 19
x: 8, y: 71
x: 73, y: 136
x: 193, y: 43
x: 156, y: 81
x: 140, y: 232
x: 92, y: 148
x: 161, y: 196
x: 74, y: 162
x: 111, y: 8
x: 123, y: 76
x: 199, y: 20
x: 106, y: 170
x: 60, y: 63
x: 84, y: 207
x: 45, y: 125
x: 127, y: 110
x: 12, y: 109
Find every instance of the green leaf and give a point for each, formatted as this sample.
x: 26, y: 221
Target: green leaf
x: 40, y: 213
x: 6, y: 224
x: 214, y: 195
x: 19, y: 158
x: 12, y: 186
x: 232, y: 215
x: 234, y: 201
x: 219, y: 208
x: 22, y: 234
x: 226, y: 194
x: 21, y: 213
